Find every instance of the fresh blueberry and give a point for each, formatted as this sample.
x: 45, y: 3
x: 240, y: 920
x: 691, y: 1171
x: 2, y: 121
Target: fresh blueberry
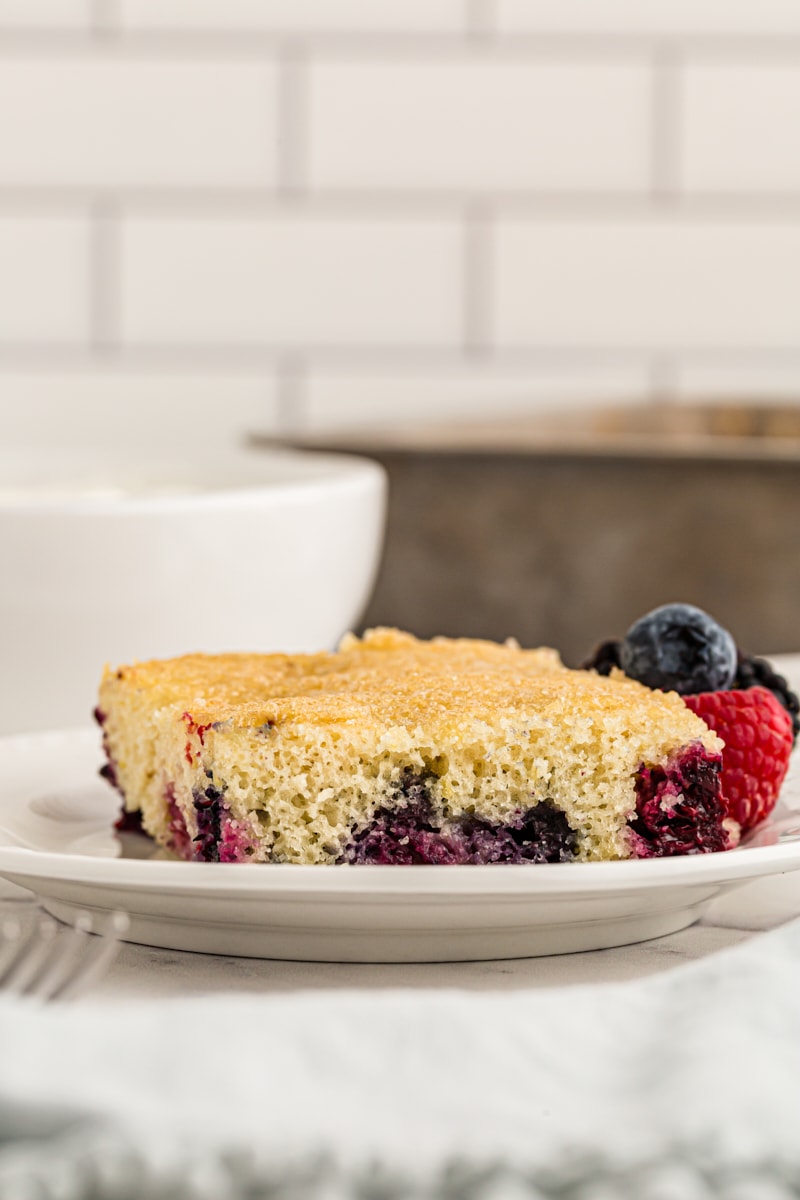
x: 679, y: 648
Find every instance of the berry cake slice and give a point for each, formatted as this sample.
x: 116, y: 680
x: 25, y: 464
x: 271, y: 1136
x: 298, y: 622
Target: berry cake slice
x: 395, y: 750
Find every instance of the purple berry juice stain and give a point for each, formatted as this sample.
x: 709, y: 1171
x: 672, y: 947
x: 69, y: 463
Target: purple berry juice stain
x: 679, y: 807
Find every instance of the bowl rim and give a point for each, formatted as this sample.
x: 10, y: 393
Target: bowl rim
x: 320, y: 473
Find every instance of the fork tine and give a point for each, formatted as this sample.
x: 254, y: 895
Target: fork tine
x: 47, y: 960
x: 15, y: 925
x: 60, y: 964
x: 32, y: 951
x: 93, y: 961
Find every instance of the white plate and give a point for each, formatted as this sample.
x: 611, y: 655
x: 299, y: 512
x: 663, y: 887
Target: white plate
x: 56, y: 838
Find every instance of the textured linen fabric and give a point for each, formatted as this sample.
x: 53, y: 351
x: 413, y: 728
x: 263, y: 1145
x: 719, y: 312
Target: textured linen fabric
x: 684, y: 1084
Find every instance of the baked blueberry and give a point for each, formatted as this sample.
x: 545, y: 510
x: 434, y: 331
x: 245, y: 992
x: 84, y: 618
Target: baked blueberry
x: 679, y: 648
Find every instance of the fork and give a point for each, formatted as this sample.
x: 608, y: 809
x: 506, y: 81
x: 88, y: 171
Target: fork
x: 45, y: 959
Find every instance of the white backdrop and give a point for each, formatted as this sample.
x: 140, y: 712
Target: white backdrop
x: 221, y: 215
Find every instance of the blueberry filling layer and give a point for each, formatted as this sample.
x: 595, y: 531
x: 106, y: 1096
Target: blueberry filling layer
x: 178, y: 838
x: 208, y: 810
x: 679, y: 808
x: 410, y: 834
x: 108, y: 771
x: 129, y: 822
x: 220, y: 837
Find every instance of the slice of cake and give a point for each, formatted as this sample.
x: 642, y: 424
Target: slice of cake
x: 395, y: 750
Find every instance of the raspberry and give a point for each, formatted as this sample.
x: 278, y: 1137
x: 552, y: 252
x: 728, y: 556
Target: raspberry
x: 757, y: 672
x: 758, y: 736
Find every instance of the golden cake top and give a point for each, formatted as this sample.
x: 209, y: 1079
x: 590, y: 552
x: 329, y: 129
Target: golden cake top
x: 390, y: 678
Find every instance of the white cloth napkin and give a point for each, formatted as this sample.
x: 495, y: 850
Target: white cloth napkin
x: 685, y: 1084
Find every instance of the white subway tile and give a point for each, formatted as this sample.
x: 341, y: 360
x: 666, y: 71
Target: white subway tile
x: 44, y: 280
x: 335, y: 400
x: 161, y: 414
x: 741, y: 126
x: 295, y: 15
x: 44, y: 14
x: 479, y: 124
x: 291, y: 281
x: 649, y: 16
x: 114, y: 121
x: 648, y: 283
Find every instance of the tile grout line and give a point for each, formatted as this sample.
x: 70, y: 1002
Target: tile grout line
x: 252, y: 356
x: 411, y: 205
x: 476, y: 283
x: 104, y: 18
x: 664, y: 375
x: 402, y: 44
x: 292, y: 120
x: 105, y: 269
x: 665, y: 128
x: 480, y: 18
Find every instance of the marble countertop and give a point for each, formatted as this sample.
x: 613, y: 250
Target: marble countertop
x: 142, y: 972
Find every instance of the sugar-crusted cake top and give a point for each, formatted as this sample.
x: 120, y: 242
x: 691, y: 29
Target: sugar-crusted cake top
x: 390, y: 679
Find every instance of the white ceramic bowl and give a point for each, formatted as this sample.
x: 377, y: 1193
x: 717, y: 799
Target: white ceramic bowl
x: 261, y: 551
